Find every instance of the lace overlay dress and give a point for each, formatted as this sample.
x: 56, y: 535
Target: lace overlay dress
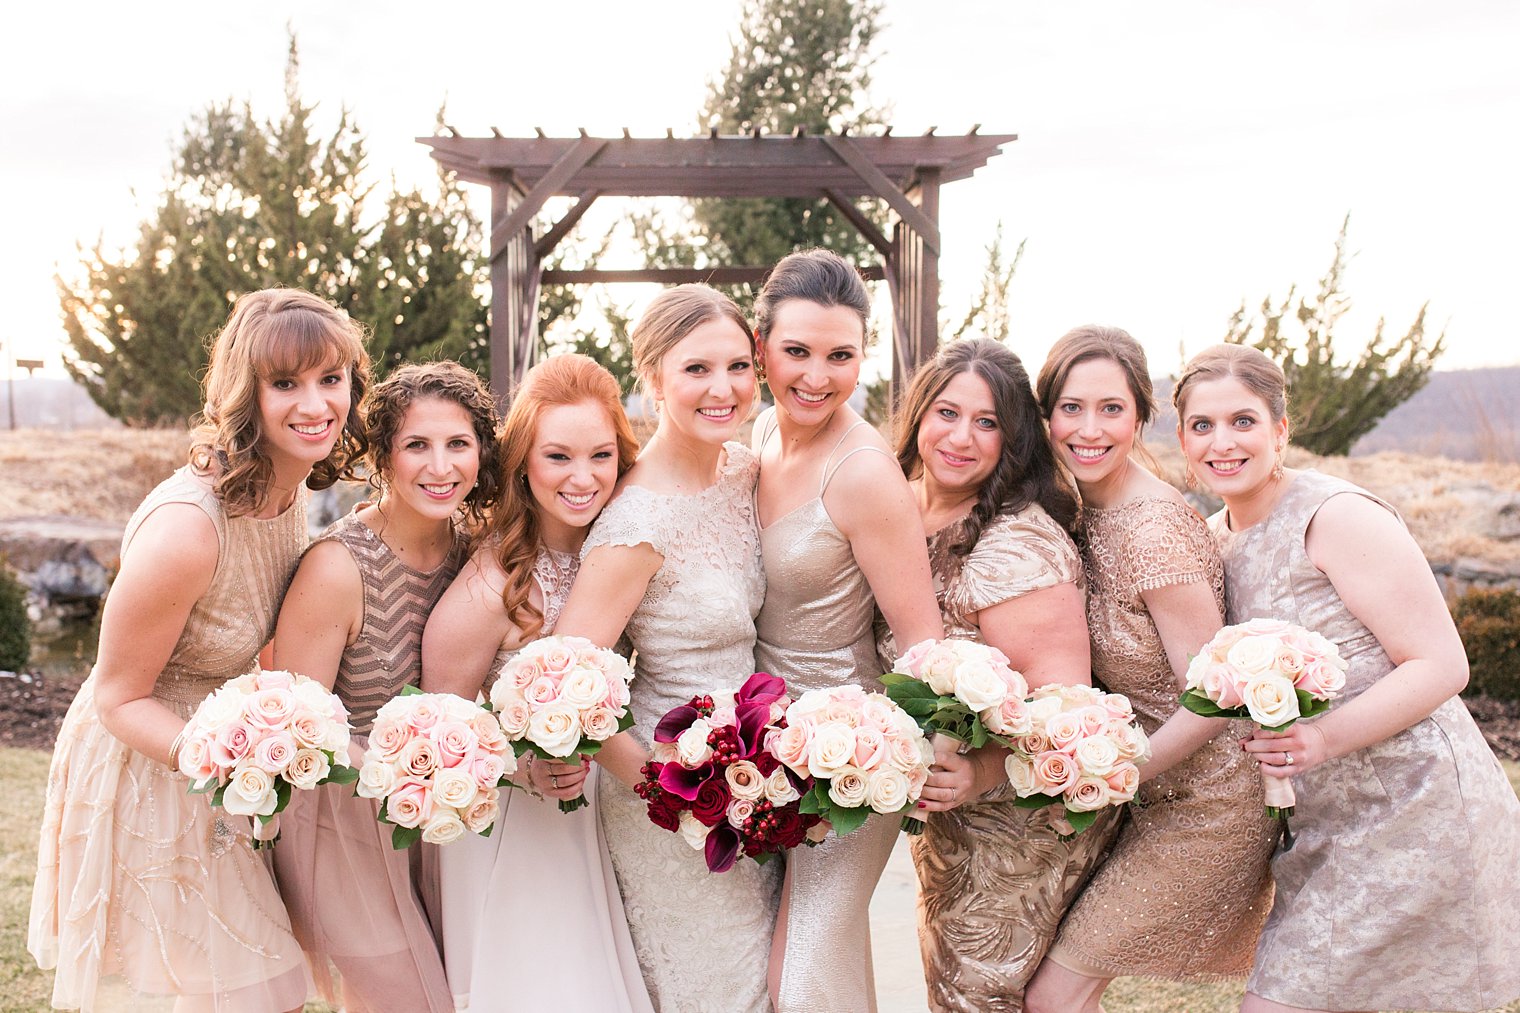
x: 703, y: 940
x: 1401, y: 889
x: 143, y: 891
x: 1188, y: 885
x: 995, y: 878
x: 355, y: 901
x: 815, y: 631
x: 545, y: 869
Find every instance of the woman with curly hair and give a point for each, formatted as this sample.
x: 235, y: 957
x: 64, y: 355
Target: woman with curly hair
x: 145, y: 897
x: 353, y: 621
x: 563, y: 447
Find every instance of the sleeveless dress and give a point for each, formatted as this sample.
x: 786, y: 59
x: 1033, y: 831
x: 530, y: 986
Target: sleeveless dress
x: 354, y: 901
x: 703, y: 939
x: 143, y: 891
x: 815, y: 631
x: 532, y: 919
x: 995, y: 878
x: 1188, y: 885
x: 1401, y: 889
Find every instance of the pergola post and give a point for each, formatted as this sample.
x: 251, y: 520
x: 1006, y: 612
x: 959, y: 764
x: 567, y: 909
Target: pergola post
x: 515, y: 268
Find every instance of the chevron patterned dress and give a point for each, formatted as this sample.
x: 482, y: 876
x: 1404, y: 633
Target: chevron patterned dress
x: 355, y: 903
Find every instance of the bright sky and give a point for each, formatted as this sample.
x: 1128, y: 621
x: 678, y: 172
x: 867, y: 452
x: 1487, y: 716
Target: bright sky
x: 1173, y: 158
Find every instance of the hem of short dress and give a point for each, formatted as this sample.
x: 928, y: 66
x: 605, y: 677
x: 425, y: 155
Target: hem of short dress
x: 1081, y: 963
x: 1399, y: 1004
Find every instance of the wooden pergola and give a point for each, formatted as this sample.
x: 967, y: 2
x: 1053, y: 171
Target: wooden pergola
x: 524, y: 172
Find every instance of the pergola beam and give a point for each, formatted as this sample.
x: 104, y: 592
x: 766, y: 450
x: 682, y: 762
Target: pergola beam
x: 680, y: 275
x: 857, y: 218
x: 549, y: 240
x: 563, y: 170
x: 884, y: 188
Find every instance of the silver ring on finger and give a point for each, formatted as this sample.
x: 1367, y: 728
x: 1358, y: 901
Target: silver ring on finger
x: 1287, y: 758
x: 554, y: 779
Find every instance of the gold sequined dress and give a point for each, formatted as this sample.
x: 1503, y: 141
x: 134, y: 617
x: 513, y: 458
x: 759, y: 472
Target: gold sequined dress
x: 355, y: 902
x: 1188, y: 885
x: 995, y: 878
x: 145, y: 893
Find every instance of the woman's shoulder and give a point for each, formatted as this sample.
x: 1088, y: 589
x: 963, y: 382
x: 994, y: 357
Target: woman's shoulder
x: 1010, y: 527
x: 1025, y: 546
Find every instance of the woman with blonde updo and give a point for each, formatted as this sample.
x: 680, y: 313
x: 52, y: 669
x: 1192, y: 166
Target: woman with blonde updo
x: 673, y: 563
x: 146, y: 898
x: 565, y: 443
x: 1400, y: 891
x: 353, y: 621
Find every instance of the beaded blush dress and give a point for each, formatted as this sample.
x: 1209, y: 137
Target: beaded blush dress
x: 1400, y: 891
x: 995, y: 878
x: 703, y: 939
x: 355, y: 901
x: 147, y: 899
x: 1188, y: 885
x: 532, y: 918
x: 816, y: 632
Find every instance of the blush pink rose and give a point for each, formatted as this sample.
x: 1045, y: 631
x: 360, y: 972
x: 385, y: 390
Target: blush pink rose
x: 1064, y: 729
x: 1124, y: 782
x: 274, y: 680
x: 791, y: 746
x: 195, y: 759
x: 541, y: 691
x: 410, y: 803
x: 422, y: 713
x: 456, y: 742
x: 871, y: 751
x: 275, y: 751
x: 388, y: 738
x: 269, y: 709
x: 1055, y: 772
x: 231, y: 744
x: 419, y: 758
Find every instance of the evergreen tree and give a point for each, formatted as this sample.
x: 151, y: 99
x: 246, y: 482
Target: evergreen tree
x: 253, y: 203
x: 1335, y: 403
x: 15, y: 624
x: 989, y: 315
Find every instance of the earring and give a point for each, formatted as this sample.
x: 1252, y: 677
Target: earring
x: 760, y: 372
x: 1189, y: 479
x: 1277, y: 468
x: 522, y: 476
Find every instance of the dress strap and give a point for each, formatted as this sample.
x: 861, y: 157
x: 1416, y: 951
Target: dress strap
x: 830, y: 466
x: 771, y: 426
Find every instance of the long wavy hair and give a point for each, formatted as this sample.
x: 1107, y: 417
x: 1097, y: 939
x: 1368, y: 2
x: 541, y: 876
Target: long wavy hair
x: 385, y: 412
x: 568, y: 379
x: 273, y: 333
x: 1026, y: 470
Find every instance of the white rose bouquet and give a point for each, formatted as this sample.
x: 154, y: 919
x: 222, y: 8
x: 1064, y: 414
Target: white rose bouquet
x: 864, y: 753
x: 437, y: 762
x: 258, y: 737
x: 561, y: 697
x: 1083, y: 751
x: 962, y: 689
x: 1270, y: 672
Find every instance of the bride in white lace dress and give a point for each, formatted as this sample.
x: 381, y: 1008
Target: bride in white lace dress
x: 530, y: 916
x: 675, y: 560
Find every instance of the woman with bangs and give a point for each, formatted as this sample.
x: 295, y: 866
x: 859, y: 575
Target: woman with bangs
x: 995, y: 878
x: 565, y: 443
x: 1155, y: 595
x: 146, y: 898
x: 353, y: 621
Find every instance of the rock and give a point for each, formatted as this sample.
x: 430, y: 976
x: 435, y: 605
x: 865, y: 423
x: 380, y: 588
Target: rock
x: 62, y: 559
x: 1505, y: 525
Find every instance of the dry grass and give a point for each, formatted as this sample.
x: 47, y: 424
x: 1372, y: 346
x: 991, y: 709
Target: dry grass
x: 98, y: 473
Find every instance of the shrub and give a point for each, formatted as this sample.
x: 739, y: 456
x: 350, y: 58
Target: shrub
x: 15, y: 625
x: 1489, y: 622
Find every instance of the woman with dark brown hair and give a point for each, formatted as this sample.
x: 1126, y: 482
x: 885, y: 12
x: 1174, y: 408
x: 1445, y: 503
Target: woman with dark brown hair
x: 994, y: 878
x: 1155, y: 595
x: 147, y: 898
x: 565, y: 443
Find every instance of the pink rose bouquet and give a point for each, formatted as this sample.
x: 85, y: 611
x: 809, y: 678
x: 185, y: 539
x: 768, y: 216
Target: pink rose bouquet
x: 258, y: 737
x: 561, y: 697
x: 1270, y: 672
x: 1082, y: 751
x: 713, y: 781
x: 962, y: 689
x: 437, y: 762
x: 862, y: 752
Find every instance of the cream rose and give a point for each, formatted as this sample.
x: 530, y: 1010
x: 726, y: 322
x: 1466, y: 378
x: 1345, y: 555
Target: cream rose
x: 220, y: 709
x: 443, y: 828
x: 250, y: 793
x: 275, y: 751
x: 515, y: 714
x: 779, y: 789
x: 1270, y: 700
x: 848, y: 788
x: 482, y: 813
x: 693, y: 831
x: 978, y: 686
x: 691, y: 745
x: 195, y: 759
x: 1097, y: 756
x: 888, y: 790
x: 376, y: 779
x: 745, y: 780
x: 831, y: 749
x: 1089, y: 794
x: 1064, y: 729
x: 583, y: 688
x: 455, y: 787
x: 556, y: 729
x: 1020, y: 770
x: 1253, y: 655
x: 599, y: 723
x: 307, y: 768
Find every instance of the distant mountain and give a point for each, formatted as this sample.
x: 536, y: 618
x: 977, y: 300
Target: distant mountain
x: 49, y: 403
x: 1464, y: 415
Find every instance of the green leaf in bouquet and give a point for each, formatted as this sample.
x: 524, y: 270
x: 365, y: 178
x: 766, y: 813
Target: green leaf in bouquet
x: 626, y: 721
x: 410, y: 691
x: 814, y: 801
x: 902, y: 687
x: 384, y: 815
x: 343, y: 774
x: 201, y: 787
x: 762, y: 857
x: 216, y: 797
x: 1310, y: 706
x: 846, y: 820
x: 590, y: 747
x: 281, y: 794
x: 1200, y: 704
x: 1080, y: 821
x: 1038, y: 801
x: 404, y: 837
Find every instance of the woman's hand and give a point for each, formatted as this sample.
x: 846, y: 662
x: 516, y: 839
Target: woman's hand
x: 557, y: 779
x: 1299, y: 747
x: 957, y: 778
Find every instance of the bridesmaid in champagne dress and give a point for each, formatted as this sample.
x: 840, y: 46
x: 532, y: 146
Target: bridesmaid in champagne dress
x: 675, y: 560
x: 1400, y: 889
x: 994, y: 878
x: 353, y: 621
x: 838, y: 536
x: 146, y: 898
x: 562, y: 448
x: 1196, y: 849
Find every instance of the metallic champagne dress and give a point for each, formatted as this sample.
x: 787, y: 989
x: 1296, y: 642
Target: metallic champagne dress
x: 144, y: 893
x: 1401, y: 891
x: 355, y: 902
x: 816, y: 632
x: 1188, y: 885
x: 703, y: 939
x: 994, y: 878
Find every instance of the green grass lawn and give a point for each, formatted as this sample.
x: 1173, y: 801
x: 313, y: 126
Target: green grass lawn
x: 24, y: 989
